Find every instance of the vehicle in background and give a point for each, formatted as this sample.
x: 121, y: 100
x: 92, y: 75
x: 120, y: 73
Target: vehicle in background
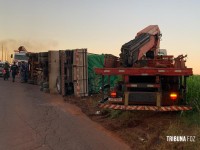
x: 3, y: 73
x: 6, y: 74
x: 162, y: 52
x: 20, y: 55
x: 1, y: 68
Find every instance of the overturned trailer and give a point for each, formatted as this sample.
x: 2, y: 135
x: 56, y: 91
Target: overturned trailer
x: 73, y: 72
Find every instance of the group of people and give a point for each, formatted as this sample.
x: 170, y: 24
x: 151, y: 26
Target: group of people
x: 15, y: 69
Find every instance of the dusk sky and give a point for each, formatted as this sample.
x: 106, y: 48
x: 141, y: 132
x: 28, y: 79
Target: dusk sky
x: 101, y: 26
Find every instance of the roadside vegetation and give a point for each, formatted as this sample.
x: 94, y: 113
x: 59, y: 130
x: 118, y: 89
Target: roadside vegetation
x: 193, y: 95
x: 188, y: 122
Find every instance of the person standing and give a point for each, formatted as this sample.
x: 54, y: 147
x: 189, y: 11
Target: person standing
x: 14, y: 69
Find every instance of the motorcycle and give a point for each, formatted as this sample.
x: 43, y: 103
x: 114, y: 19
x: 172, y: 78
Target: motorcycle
x: 6, y: 74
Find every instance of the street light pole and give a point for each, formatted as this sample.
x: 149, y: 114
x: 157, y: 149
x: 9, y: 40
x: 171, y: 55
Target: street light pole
x: 5, y: 54
x: 2, y: 53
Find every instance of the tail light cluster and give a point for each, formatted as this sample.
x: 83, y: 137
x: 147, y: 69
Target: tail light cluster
x: 173, y: 96
x: 4, y: 71
x: 113, y: 94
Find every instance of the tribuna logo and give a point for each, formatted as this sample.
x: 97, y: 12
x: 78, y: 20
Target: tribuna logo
x: 180, y: 138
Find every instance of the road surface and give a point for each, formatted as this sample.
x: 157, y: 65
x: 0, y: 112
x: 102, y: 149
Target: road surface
x: 33, y: 120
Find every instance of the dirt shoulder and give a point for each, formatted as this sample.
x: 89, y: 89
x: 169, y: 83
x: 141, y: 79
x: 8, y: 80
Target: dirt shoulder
x: 140, y: 129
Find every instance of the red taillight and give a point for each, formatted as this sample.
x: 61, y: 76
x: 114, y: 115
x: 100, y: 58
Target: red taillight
x: 4, y: 71
x: 113, y: 94
x: 173, y: 96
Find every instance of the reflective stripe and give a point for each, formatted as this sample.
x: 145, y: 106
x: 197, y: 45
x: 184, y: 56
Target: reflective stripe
x: 149, y: 108
x: 112, y: 106
x: 134, y: 85
x: 161, y: 70
x: 144, y: 74
x: 106, y: 70
x: 150, y: 85
x: 121, y: 70
x: 177, y: 71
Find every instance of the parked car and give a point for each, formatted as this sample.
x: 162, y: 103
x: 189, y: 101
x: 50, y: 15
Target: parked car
x: 1, y: 68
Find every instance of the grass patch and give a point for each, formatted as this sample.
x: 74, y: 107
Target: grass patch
x: 191, y: 118
x: 193, y: 98
x: 193, y: 92
x: 189, y: 122
x: 115, y: 113
x: 178, y: 128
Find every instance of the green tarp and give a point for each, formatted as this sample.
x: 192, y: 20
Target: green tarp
x: 94, y: 80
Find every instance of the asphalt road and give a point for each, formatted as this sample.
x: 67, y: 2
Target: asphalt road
x: 33, y: 120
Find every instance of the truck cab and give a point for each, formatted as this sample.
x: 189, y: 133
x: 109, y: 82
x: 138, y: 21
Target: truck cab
x: 20, y: 55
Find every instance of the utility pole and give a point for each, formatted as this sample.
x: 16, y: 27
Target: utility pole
x: 2, y: 53
x: 5, y: 54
